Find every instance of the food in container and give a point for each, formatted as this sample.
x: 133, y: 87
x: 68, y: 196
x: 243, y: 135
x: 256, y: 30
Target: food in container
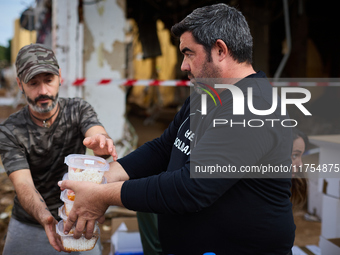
x: 70, y: 194
x: 86, y: 168
x: 65, y: 177
x: 81, y: 244
x: 67, y: 202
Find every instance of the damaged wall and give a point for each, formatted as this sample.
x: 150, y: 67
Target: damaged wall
x: 89, y: 41
x: 104, y: 58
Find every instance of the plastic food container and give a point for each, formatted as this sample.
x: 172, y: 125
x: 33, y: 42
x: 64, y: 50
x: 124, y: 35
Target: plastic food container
x: 86, y: 168
x: 81, y: 244
x: 63, y: 216
x: 65, y: 197
x: 62, y: 213
x: 65, y: 177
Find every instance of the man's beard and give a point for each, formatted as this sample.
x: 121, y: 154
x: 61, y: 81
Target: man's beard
x: 44, y: 108
x: 198, y: 86
x: 208, y: 74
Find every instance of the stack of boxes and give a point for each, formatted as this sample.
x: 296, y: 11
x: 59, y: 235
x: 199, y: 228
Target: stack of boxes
x: 125, y: 239
x: 80, y: 168
x: 329, y: 187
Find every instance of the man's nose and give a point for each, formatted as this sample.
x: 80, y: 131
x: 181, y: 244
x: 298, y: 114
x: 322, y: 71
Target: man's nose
x: 185, y: 67
x: 43, y: 89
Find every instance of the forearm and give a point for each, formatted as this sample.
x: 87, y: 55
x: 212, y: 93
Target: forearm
x: 29, y: 197
x: 173, y: 192
x: 116, y: 173
x: 150, y: 159
x: 153, y: 157
x: 111, y: 194
x: 32, y: 202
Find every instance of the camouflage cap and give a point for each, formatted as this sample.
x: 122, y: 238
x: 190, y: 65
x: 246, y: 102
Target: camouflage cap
x: 34, y: 59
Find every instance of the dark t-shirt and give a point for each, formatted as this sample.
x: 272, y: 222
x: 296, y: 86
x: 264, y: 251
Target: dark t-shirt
x: 25, y: 145
x: 235, y: 215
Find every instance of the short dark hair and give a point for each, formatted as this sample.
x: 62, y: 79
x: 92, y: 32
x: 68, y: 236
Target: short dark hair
x: 219, y: 21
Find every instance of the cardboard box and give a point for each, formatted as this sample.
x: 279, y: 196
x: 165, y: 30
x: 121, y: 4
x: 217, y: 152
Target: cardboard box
x: 330, y: 227
x: 329, y: 246
x: 125, y: 239
x: 306, y: 250
x: 117, y: 211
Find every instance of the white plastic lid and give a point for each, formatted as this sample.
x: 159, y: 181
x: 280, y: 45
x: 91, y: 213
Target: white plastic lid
x: 65, y: 177
x: 60, y: 229
x: 86, y: 161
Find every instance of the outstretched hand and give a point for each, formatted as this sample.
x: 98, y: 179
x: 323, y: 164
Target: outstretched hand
x: 49, y: 225
x: 101, y: 145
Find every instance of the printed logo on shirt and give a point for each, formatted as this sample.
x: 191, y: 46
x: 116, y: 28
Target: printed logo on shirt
x: 189, y: 135
x: 181, y: 145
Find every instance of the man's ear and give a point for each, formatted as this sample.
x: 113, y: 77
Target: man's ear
x: 221, y: 50
x: 19, y: 84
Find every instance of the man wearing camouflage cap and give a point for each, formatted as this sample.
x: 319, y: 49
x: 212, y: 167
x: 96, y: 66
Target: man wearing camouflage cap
x: 33, y: 144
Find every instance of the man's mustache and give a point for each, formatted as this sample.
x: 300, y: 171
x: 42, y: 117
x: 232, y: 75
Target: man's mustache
x: 43, y: 97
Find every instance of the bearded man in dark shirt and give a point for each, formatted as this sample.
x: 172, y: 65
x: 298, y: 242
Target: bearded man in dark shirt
x: 229, y: 213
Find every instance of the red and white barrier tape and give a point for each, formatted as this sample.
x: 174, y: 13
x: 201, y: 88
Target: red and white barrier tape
x: 131, y: 82
x: 177, y: 83
x: 305, y: 84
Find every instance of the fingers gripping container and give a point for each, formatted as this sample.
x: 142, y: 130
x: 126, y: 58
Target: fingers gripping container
x: 67, y: 195
x: 81, y: 244
x: 86, y: 168
x: 63, y: 216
